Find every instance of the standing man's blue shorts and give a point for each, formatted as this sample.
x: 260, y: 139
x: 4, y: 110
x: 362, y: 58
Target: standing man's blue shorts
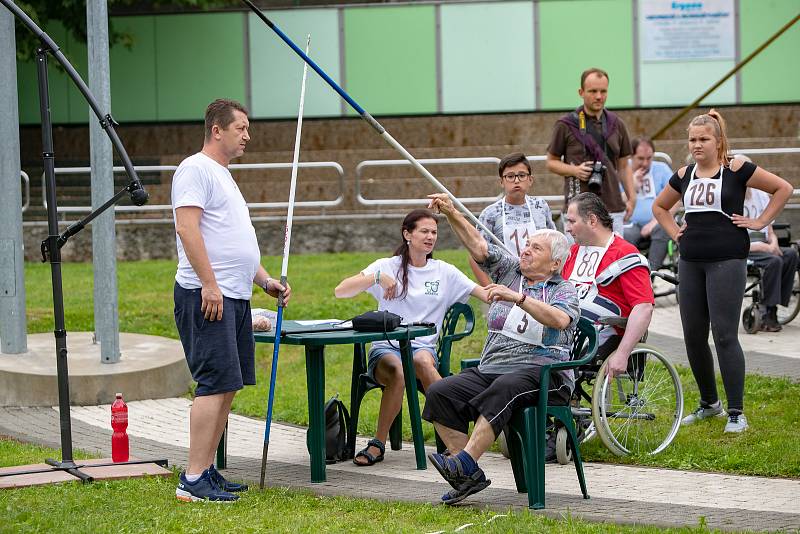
x: 220, y: 354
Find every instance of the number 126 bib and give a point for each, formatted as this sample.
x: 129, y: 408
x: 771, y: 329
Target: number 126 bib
x: 704, y: 194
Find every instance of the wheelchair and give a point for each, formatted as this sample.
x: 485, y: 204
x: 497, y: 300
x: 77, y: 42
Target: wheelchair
x: 638, y: 412
x: 751, y: 315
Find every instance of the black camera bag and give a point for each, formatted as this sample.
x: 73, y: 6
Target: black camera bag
x: 376, y: 321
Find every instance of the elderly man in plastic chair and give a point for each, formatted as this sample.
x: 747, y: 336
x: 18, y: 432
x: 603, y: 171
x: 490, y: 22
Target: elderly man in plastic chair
x: 531, y: 322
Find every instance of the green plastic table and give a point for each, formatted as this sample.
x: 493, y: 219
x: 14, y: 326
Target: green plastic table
x: 315, y: 339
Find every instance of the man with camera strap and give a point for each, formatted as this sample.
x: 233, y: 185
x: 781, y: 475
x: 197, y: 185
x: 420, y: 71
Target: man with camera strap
x: 590, y: 148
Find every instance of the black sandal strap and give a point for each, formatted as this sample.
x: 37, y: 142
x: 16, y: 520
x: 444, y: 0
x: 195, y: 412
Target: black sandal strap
x: 375, y: 442
x: 365, y: 454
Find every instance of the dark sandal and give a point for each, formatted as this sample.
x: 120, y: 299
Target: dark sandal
x: 454, y: 478
x: 371, y: 460
x: 475, y: 483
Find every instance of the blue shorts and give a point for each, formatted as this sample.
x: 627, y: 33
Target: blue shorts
x: 376, y: 353
x: 220, y: 354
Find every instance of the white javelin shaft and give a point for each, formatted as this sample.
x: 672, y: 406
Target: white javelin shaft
x: 438, y: 185
x: 287, y: 238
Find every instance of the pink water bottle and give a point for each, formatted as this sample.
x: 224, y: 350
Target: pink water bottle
x: 119, y: 422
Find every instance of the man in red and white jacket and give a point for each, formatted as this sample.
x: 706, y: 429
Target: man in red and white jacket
x: 612, y: 278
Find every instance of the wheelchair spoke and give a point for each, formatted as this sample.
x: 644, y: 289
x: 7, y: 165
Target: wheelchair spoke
x: 641, y: 411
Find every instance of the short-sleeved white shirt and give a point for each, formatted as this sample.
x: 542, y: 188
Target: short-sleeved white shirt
x: 431, y: 290
x: 754, y: 205
x: 228, y: 234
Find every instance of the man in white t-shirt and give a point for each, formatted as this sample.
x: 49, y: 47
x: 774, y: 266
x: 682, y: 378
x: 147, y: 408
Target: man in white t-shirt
x: 218, y: 263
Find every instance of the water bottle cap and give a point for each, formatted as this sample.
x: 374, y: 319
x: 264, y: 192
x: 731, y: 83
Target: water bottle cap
x: 119, y: 395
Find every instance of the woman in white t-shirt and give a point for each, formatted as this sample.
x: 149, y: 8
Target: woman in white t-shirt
x: 418, y: 288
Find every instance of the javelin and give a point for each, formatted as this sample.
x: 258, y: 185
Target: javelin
x: 375, y: 124
x: 287, y: 240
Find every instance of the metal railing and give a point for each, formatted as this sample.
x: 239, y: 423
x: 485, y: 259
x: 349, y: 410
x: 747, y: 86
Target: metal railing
x: 27, y: 189
x: 663, y: 156
x: 765, y: 151
x: 233, y: 167
x: 405, y: 163
x: 555, y: 201
x: 551, y: 199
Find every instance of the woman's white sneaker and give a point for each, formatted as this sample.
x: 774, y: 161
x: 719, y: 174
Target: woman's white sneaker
x: 704, y: 412
x: 736, y: 423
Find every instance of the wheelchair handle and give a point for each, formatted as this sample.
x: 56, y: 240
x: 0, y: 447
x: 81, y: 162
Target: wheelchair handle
x: 671, y: 278
x: 620, y: 322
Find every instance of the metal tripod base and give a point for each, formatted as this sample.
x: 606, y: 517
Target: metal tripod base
x: 74, y: 469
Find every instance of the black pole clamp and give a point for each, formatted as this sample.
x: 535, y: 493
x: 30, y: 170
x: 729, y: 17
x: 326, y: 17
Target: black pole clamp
x: 107, y: 121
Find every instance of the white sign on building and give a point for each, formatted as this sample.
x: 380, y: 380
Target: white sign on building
x: 673, y: 30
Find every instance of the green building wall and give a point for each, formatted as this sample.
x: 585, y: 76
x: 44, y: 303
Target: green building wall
x: 424, y: 58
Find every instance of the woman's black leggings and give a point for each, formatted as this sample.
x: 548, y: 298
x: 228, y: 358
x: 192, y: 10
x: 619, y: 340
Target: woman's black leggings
x: 711, y: 294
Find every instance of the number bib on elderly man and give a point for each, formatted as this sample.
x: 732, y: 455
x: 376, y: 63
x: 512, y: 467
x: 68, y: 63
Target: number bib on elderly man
x: 517, y: 324
x: 704, y: 194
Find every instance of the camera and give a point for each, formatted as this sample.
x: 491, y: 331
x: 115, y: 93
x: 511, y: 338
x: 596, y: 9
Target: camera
x: 596, y: 178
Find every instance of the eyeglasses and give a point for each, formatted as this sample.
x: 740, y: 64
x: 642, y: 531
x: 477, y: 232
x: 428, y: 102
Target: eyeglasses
x: 518, y: 177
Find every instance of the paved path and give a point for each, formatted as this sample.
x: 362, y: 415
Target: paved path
x: 620, y: 494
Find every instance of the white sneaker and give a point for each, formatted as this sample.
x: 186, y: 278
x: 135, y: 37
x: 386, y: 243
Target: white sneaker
x: 715, y: 410
x: 736, y: 423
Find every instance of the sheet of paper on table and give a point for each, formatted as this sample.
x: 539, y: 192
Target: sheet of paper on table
x: 333, y: 322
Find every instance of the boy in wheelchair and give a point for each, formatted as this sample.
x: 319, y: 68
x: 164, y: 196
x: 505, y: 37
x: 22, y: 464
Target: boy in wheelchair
x: 774, y: 265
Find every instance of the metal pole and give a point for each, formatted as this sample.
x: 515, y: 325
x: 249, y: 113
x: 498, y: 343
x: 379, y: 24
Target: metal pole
x: 59, y: 331
x: 375, y: 125
x: 13, y: 338
x: 287, y: 241
x: 51, y: 247
x: 104, y: 251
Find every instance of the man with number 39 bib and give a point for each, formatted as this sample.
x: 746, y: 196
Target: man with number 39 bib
x: 612, y: 278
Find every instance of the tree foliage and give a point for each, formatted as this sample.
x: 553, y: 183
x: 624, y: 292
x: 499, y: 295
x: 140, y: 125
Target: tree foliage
x: 72, y: 15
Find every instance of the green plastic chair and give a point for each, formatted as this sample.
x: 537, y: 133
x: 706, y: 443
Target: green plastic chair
x: 526, y: 432
x: 361, y: 383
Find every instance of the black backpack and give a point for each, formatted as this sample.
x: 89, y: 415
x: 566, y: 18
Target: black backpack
x: 337, y: 424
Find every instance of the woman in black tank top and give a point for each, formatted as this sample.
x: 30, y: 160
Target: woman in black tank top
x: 712, y: 267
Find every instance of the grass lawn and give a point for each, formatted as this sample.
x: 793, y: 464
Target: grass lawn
x: 142, y: 505
x: 771, y: 447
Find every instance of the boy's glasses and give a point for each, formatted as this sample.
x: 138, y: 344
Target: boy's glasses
x: 516, y: 177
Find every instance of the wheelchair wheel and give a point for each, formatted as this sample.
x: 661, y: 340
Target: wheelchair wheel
x: 563, y: 450
x: 638, y: 412
x: 751, y: 319
x: 787, y: 313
